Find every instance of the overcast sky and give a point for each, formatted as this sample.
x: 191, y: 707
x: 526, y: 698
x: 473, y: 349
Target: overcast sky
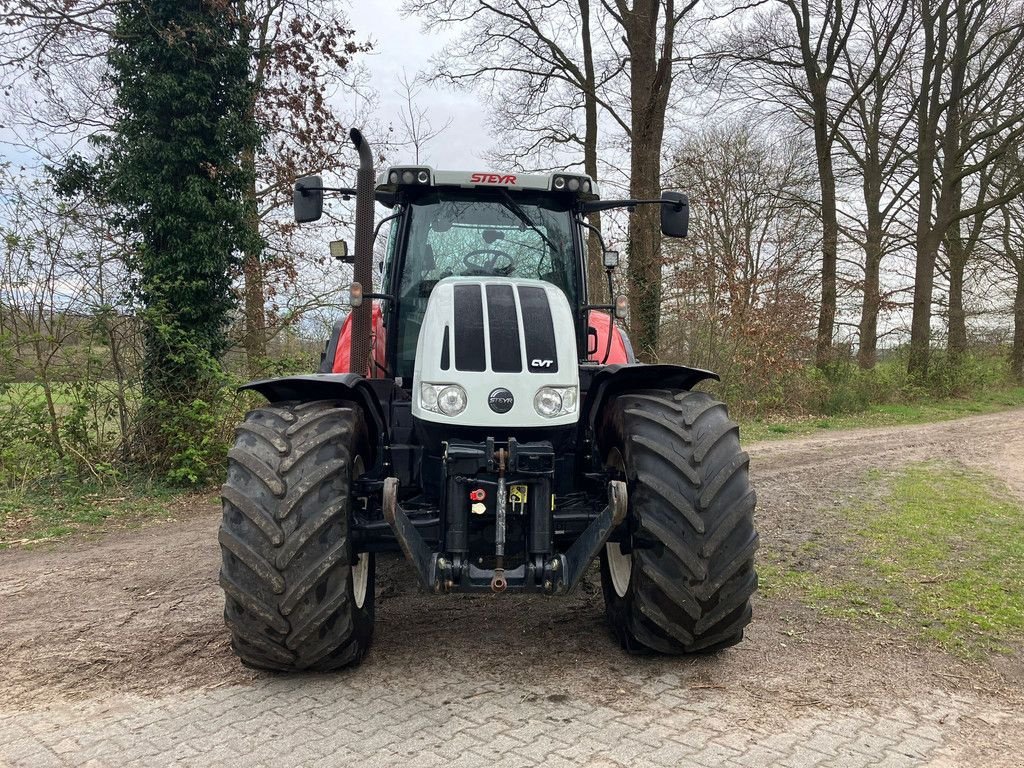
x: 400, y: 43
x: 397, y: 43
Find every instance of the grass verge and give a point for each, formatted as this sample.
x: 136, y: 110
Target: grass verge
x: 30, y: 517
x: 884, y: 415
x: 942, y: 553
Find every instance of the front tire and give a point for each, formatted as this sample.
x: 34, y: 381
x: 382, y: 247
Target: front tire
x: 681, y: 578
x: 296, y: 595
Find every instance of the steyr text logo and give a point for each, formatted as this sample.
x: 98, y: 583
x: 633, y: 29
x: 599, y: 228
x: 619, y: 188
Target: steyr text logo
x: 492, y: 178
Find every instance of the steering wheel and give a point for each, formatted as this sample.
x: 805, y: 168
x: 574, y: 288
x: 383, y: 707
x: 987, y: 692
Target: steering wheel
x: 490, y: 263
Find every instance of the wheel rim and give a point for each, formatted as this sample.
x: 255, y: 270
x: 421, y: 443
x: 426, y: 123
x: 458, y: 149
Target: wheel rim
x: 361, y: 569
x: 361, y: 578
x: 620, y: 567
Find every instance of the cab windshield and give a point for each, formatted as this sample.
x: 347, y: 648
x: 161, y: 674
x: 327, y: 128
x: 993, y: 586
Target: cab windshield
x: 452, y: 233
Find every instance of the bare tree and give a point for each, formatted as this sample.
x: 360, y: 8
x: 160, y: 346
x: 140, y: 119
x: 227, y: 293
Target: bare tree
x: 875, y: 133
x: 950, y: 152
x: 739, y: 289
x: 798, y: 64
x: 302, y: 53
x: 652, y: 30
x: 417, y: 129
x: 1012, y: 256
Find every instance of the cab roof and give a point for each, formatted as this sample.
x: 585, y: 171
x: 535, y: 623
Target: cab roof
x: 401, y: 177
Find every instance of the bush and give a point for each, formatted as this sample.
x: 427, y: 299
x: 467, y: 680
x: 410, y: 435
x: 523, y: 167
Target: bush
x: 842, y: 387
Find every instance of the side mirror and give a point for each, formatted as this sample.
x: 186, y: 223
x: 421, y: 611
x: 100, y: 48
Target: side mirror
x: 308, y: 199
x: 675, y: 214
x: 611, y: 259
x: 339, y: 252
x: 621, y: 307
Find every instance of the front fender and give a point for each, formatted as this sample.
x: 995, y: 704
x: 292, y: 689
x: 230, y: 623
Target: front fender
x: 327, y: 386
x: 611, y: 380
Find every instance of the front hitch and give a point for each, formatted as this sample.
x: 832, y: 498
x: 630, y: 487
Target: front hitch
x: 560, y: 574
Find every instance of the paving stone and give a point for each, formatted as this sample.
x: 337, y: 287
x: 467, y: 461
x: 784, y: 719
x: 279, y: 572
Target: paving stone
x: 388, y: 720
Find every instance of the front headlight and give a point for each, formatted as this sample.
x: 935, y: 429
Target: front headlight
x: 452, y: 400
x: 552, y: 402
x: 448, y: 399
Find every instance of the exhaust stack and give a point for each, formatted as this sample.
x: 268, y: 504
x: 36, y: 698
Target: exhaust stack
x: 363, y: 262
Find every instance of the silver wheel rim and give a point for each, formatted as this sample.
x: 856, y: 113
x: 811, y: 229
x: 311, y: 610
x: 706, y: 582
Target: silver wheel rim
x: 620, y: 567
x: 361, y: 570
x: 360, y: 578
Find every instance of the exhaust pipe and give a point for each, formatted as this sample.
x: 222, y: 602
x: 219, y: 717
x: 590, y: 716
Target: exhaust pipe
x: 362, y: 316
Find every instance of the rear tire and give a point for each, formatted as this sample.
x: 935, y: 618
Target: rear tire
x: 682, y: 579
x: 296, y: 596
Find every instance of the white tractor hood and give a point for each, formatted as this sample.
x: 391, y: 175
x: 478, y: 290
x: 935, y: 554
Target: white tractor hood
x: 502, y: 341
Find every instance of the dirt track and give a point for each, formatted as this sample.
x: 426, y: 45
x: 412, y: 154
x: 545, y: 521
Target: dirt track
x: 138, y: 615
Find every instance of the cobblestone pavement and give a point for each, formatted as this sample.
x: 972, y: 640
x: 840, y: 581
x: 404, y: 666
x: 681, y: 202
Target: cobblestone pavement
x: 355, y: 719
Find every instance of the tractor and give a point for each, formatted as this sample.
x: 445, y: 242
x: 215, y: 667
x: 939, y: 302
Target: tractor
x: 477, y: 414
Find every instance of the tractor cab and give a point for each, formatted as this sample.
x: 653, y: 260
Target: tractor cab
x: 450, y: 224
x: 454, y: 231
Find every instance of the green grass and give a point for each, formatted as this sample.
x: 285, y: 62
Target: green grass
x: 942, y: 553
x: 28, y: 517
x: 884, y: 415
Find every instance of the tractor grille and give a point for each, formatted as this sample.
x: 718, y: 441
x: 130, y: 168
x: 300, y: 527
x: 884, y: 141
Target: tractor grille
x: 505, y: 304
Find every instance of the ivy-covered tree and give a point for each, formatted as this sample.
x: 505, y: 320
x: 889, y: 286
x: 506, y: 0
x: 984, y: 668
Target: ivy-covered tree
x: 171, y: 164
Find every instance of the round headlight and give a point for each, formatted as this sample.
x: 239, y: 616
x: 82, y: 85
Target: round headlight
x: 548, y: 403
x: 408, y: 177
x: 423, y: 177
x: 452, y: 400
x: 586, y: 186
x: 559, y: 183
x: 393, y: 178
x: 574, y: 185
x: 428, y: 397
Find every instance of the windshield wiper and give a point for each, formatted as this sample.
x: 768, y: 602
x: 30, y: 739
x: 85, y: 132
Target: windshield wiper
x: 513, y: 206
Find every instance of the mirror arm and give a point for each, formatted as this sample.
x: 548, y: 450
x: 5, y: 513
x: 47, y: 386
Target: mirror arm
x: 384, y: 221
x: 607, y: 205
x: 345, y: 192
x: 596, y: 231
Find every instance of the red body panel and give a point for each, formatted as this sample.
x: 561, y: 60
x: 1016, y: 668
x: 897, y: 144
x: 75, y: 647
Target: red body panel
x: 601, y: 322
x: 378, y: 346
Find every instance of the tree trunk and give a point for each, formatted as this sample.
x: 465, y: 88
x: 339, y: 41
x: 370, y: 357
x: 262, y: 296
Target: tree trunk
x: 829, y: 227
x: 921, y: 322
x: 649, y: 87
x: 957, y: 254
x: 1017, y: 354
x: 867, y: 353
x: 255, y: 338
x: 595, y: 257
